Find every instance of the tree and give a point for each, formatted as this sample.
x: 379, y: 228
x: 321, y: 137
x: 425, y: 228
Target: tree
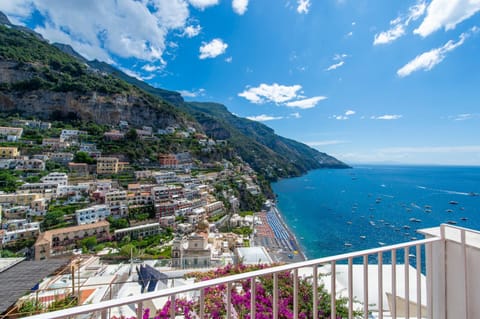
x: 128, y: 250
x: 8, y: 181
x: 88, y: 243
x: 52, y: 219
x: 83, y: 157
x: 131, y: 135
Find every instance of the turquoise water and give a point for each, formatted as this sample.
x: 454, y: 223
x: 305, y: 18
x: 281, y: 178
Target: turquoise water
x: 339, y: 211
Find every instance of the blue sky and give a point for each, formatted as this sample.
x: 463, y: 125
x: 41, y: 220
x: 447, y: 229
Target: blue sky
x: 368, y: 81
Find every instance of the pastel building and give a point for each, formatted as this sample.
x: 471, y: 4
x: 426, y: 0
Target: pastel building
x: 61, y: 241
x: 107, y: 165
x: 9, y: 152
x: 92, y: 214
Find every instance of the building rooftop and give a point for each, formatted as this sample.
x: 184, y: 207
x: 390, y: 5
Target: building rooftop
x: 22, y: 277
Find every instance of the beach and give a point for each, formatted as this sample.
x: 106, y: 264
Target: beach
x: 272, y: 232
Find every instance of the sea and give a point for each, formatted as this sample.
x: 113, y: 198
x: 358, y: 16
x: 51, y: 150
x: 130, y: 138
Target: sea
x: 335, y: 211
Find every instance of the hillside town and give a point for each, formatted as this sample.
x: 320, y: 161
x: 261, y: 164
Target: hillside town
x: 105, y: 200
x: 65, y: 198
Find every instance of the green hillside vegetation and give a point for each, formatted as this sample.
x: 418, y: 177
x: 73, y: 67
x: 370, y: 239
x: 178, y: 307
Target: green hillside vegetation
x: 52, y: 69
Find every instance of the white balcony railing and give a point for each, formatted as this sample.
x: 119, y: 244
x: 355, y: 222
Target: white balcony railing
x: 446, y: 288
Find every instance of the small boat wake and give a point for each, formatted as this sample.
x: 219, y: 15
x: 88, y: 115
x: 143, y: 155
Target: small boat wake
x: 446, y: 191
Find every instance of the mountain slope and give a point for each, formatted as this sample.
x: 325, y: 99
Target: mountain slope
x: 54, y: 82
x: 274, y: 155
x: 37, y: 79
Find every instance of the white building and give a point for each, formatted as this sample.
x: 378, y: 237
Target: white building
x: 92, y: 214
x: 69, y: 134
x: 12, y: 134
x: 20, y: 229
x: 61, y: 179
x: 72, y: 190
x: 165, y: 177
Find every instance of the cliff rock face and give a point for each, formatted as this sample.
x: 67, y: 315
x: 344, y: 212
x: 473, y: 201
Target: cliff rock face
x: 102, y: 109
x: 132, y: 106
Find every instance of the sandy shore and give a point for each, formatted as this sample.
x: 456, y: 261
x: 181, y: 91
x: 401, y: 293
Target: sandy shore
x: 272, y: 232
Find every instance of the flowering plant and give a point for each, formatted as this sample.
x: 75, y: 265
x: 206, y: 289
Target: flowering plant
x: 215, y: 305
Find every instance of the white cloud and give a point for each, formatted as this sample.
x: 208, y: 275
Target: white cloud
x: 264, y: 118
x: 466, y: 116
x: 335, y: 66
x: 212, y: 49
x: 229, y: 59
x: 340, y: 57
x: 303, y: 6
x: 349, y: 34
x: 390, y: 35
x: 240, y: 6
x: 202, y: 4
x: 16, y: 9
x: 446, y: 14
x: 153, y: 68
x: 290, y: 96
x: 186, y: 93
x: 387, y: 117
x: 344, y: 116
x: 337, y: 57
x: 324, y: 143
x: 295, y: 115
x: 192, y: 31
x: 275, y: 93
x: 399, y: 24
x: 136, y: 75
x: 306, y: 103
x: 427, y: 60
x: 102, y: 29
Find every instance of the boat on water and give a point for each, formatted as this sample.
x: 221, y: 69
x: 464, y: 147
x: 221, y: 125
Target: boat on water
x: 406, y: 227
x: 427, y: 207
x: 473, y: 194
x: 428, y: 210
x: 381, y: 243
x: 372, y: 223
x: 464, y: 218
x: 415, y: 220
x: 452, y: 202
x: 363, y: 236
x: 451, y: 222
x: 449, y: 210
x: 347, y: 244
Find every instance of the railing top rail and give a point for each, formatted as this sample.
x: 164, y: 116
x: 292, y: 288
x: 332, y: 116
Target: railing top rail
x: 468, y: 230
x: 224, y: 280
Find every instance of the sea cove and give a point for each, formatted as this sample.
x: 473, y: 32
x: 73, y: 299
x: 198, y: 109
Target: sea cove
x: 338, y: 211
